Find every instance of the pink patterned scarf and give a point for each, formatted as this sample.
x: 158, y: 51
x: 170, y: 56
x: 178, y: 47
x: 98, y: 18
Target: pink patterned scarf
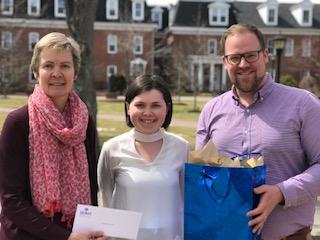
x: 59, y: 174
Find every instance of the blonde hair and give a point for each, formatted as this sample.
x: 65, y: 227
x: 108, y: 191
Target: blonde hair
x: 240, y: 28
x: 56, y: 40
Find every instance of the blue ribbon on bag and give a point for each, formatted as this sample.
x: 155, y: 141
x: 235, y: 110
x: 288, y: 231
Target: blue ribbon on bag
x: 211, y: 182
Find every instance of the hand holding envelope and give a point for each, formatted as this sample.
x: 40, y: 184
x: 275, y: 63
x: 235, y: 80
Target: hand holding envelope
x: 113, y: 222
x: 98, y: 235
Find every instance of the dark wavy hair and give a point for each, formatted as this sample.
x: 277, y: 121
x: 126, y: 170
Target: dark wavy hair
x: 146, y: 83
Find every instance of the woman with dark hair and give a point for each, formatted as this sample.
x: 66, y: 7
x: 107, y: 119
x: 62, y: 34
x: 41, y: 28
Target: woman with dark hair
x: 142, y: 169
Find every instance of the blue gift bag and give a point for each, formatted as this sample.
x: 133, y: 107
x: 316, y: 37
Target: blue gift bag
x: 217, y: 200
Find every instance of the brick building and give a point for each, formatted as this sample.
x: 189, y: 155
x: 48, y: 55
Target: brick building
x: 182, y: 44
x: 197, y: 26
x: 124, y: 35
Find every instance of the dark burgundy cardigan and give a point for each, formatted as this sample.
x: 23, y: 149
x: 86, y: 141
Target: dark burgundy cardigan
x: 19, y: 218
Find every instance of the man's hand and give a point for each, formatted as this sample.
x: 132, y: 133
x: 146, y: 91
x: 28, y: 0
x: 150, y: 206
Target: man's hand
x: 270, y: 197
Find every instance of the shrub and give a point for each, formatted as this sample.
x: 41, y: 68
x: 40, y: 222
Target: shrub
x: 288, y: 80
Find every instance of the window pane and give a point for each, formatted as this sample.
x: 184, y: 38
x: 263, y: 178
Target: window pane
x: 271, y: 15
x: 6, y: 40
x: 138, y: 10
x: 305, y: 16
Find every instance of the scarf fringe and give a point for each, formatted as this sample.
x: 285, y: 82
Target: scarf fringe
x: 68, y: 219
x: 52, y: 207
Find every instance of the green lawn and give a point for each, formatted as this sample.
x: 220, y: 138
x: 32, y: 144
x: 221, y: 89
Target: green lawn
x: 111, y: 128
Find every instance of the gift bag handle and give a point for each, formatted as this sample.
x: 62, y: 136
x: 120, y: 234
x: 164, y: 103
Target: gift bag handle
x: 218, y: 198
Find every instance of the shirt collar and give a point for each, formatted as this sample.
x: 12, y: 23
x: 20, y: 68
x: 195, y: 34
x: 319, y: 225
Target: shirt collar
x: 261, y: 94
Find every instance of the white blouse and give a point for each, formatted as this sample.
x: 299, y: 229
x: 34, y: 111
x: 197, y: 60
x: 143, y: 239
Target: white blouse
x: 126, y: 181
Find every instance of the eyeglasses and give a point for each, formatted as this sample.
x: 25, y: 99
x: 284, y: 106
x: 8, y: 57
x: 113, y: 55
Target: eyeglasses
x: 250, y: 57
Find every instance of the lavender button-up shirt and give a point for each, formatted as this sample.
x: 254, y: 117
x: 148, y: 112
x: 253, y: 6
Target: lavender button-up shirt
x: 284, y: 125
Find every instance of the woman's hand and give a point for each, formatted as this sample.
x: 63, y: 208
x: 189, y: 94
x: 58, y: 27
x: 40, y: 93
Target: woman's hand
x: 97, y: 235
x: 270, y: 197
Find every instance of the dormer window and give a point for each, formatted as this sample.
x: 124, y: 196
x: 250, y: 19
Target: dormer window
x: 219, y: 14
x: 7, y: 7
x: 268, y: 12
x: 271, y: 15
x: 138, y: 10
x: 112, y: 9
x: 33, y: 7
x: 302, y: 13
x: 59, y: 9
x: 306, y: 16
x: 157, y: 16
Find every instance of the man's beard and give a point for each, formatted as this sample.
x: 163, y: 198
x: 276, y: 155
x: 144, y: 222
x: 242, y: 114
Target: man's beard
x: 245, y: 88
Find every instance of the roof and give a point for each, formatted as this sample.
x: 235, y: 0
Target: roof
x: 195, y: 14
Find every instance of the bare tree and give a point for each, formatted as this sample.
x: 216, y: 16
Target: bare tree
x: 311, y: 84
x: 14, y: 63
x: 81, y: 15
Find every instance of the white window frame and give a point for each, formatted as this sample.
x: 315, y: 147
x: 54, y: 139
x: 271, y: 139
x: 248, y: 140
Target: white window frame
x: 6, y: 40
x: 274, y: 10
x: 33, y: 38
x: 140, y: 62
x: 306, y: 47
x: 214, y: 13
x: 309, y: 17
x: 111, y: 70
x: 37, y: 5
x: 213, y: 42
x: 219, y: 13
x: 112, y: 5
x: 57, y: 7
x: 271, y: 49
x: 135, y: 10
x: 112, y: 42
x: 7, y: 7
x: 138, y: 45
x: 289, y: 47
x: 156, y: 16
x: 224, y: 14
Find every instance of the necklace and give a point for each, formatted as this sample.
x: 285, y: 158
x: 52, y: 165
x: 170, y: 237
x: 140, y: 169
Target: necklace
x: 142, y: 137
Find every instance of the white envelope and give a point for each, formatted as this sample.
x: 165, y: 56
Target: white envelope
x: 113, y: 222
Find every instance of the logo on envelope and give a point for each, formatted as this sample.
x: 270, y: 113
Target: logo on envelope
x: 85, y: 212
